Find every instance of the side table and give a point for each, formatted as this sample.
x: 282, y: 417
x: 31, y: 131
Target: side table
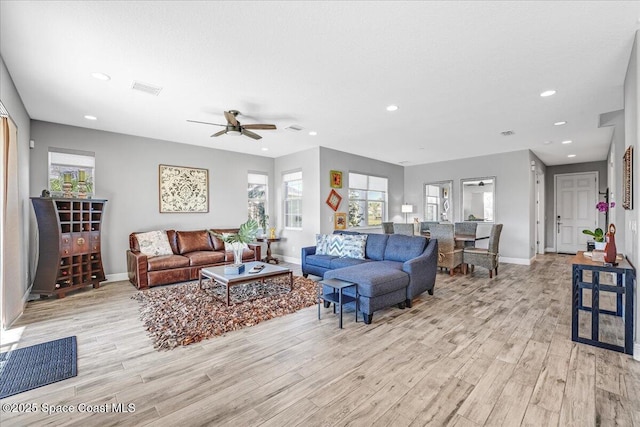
x: 337, y: 297
x: 269, y: 258
x: 625, y: 276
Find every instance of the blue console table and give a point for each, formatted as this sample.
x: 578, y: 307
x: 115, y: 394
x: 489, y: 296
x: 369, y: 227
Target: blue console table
x: 625, y: 277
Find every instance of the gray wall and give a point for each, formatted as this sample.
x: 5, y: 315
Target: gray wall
x: 127, y: 175
x: 512, y: 198
x: 308, y: 162
x: 345, y: 162
x: 552, y: 171
x: 15, y: 292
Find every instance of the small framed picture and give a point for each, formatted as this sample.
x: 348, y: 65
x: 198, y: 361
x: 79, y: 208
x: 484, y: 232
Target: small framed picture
x: 336, y: 179
x: 340, y: 221
x: 334, y: 200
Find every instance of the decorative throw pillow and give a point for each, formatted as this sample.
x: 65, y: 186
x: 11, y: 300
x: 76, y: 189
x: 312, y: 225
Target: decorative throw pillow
x: 322, y: 243
x: 154, y: 243
x: 354, y: 246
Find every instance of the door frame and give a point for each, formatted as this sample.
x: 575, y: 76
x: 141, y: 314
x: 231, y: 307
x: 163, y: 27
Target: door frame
x: 540, y: 212
x: 555, y: 200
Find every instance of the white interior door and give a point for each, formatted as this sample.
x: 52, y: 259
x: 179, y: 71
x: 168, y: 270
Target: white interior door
x: 575, y: 210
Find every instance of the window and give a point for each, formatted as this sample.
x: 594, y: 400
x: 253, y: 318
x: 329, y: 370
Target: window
x: 257, y: 198
x: 367, y: 200
x: 293, y: 199
x: 74, y: 163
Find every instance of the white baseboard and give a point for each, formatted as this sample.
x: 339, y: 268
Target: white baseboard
x: 519, y: 261
x: 116, y: 277
x: 636, y: 351
x: 291, y: 259
x: 550, y: 250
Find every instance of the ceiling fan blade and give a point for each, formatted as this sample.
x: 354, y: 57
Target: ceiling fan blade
x: 222, y: 132
x: 231, y: 118
x: 259, y: 126
x: 205, y: 123
x: 251, y: 134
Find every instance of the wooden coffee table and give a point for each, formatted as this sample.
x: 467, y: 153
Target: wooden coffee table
x: 228, y: 280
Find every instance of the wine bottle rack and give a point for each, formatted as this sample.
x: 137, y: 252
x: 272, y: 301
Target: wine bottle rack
x: 68, y: 244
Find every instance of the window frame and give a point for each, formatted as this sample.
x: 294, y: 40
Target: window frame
x: 367, y: 200
x: 73, y: 168
x: 285, y: 199
x: 264, y: 199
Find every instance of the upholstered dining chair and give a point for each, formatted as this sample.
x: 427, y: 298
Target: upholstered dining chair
x: 449, y: 256
x: 426, y: 225
x: 387, y: 227
x: 468, y: 228
x: 487, y: 258
x: 406, y: 229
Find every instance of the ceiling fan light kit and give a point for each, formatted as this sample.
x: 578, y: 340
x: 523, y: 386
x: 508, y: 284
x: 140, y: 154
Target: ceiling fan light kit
x: 235, y: 128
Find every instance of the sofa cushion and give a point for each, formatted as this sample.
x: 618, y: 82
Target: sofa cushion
x: 323, y: 261
x: 218, y: 244
x: 375, y: 246
x: 154, y: 243
x: 165, y: 262
x: 354, y: 246
x: 338, y: 262
x: 373, y: 279
x: 403, y: 248
x: 191, y: 241
x: 205, y: 257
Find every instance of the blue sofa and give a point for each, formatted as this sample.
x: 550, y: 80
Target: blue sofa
x: 396, y: 269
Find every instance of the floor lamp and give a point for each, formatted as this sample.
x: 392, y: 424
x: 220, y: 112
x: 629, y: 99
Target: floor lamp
x: 407, y: 209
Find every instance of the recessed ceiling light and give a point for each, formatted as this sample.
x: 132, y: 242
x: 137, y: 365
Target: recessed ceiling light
x: 392, y: 108
x: 264, y: 149
x: 568, y: 141
x: 571, y: 156
x: 313, y: 133
x: 88, y: 117
x: 548, y: 93
x: 560, y: 123
x: 548, y: 142
x: 101, y: 76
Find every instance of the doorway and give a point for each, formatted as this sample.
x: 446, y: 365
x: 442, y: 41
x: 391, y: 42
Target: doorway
x: 576, y: 198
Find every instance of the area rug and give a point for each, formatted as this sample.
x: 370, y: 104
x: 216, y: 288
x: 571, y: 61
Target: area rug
x: 38, y: 365
x: 182, y: 314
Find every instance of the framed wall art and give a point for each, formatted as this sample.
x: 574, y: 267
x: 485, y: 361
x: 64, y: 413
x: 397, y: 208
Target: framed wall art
x: 334, y: 200
x: 340, y: 221
x: 183, y: 189
x: 336, y: 179
x: 627, y: 179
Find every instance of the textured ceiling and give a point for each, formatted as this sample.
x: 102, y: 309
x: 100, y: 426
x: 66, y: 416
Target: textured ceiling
x: 461, y: 72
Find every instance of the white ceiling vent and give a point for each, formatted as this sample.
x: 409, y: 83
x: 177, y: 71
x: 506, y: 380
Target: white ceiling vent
x: 294, y: 128
x: 146, y: 88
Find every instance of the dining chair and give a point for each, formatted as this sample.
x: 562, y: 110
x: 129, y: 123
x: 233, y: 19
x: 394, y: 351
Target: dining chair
x: 406, y: 229
x: 387, y: 227
x: 449, y: 256
x: 467, y: 228
x: 425, y: 226
x: 487, y: 258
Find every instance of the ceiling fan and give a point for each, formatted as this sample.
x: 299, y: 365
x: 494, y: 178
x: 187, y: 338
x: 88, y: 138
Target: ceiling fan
x: 234, y: 127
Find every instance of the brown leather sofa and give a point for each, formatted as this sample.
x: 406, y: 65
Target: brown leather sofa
x: 192, y: 250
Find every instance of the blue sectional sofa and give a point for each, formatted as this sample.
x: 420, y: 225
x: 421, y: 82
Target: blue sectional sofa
x: 395, y: 269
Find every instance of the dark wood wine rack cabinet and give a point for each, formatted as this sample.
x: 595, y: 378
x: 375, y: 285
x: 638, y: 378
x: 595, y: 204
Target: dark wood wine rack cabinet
x: 69, y: 244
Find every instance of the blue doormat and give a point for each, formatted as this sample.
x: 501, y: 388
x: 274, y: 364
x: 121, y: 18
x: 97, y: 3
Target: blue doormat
x: 41, y: 364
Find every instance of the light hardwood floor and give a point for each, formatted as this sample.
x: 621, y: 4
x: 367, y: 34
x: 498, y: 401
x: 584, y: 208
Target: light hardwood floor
x: 479, y: 352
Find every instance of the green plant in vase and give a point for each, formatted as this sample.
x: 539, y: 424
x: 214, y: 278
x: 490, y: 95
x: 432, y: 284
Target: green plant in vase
x: 238, y: 241
x: 598, y: 237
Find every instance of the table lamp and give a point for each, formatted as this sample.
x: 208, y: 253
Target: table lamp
x: 407, y: 209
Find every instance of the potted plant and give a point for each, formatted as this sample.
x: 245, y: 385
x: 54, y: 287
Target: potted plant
x: 246, y: 234
x: 598, y: 237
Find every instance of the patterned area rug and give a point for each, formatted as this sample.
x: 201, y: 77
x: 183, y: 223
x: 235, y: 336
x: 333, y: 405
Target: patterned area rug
x: 183, y: 314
